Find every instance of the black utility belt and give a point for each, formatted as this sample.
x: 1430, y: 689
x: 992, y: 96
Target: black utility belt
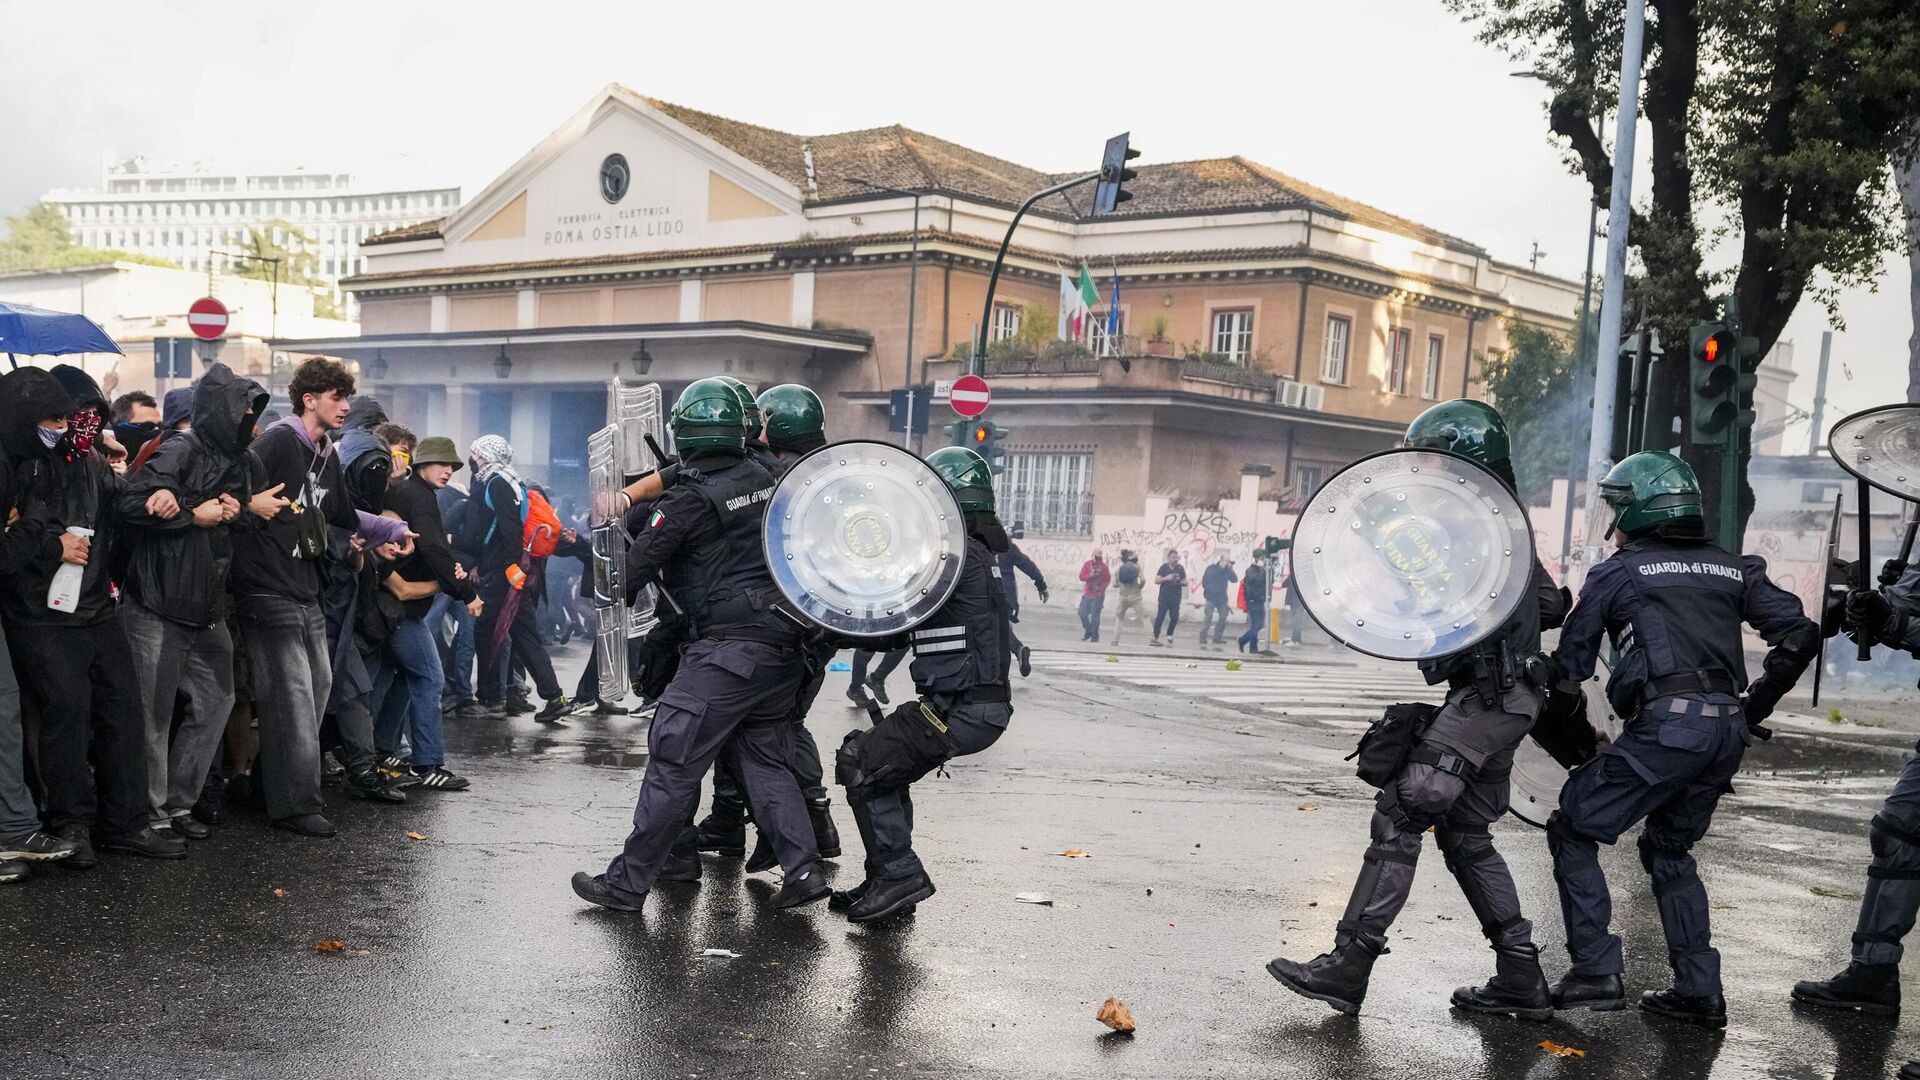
x: 1690, y: 682
x: 979, y: 695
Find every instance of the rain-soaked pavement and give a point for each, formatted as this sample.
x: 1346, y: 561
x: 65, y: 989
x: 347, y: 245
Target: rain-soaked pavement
x: 1219, y: 835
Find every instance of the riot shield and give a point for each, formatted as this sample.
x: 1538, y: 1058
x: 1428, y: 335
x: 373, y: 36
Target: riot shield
x: 1412, y: 554
x: 1881, y: 446
x: 864, y: 539
x: 1537, y: 778
x: 615, y: 453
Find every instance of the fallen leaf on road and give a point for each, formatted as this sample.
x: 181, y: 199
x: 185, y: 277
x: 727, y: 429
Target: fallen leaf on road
x: 1075, y: 853
x: 1836, y: 894
x: 1306, y: 806
x: 1233, y: 665
x: 1034, y: 898
x: 282, y: 893
x: 1557, y: 1050
x: 411, y: 835
x: 1114, y: 1013
x: 329, y: 946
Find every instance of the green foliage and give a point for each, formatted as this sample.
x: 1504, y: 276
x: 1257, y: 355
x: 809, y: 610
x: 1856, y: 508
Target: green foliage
x: 1545, y: 394
x: 299, y: 261
x: 38, y: 239
x: 1064, y: 350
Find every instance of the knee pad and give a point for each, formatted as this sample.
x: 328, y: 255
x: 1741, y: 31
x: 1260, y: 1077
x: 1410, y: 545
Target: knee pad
x: 1657, y: 844
x: 1894, y: 842
x: 1463, y: 848
x: 848, y: 769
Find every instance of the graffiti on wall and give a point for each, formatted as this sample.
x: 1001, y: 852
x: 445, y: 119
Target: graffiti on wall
x: 1200, y: 536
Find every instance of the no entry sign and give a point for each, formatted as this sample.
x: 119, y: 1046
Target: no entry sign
x: 970, y: 395
x: 207, y: 318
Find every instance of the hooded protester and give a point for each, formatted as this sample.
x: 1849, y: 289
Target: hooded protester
x: 75, y: 660
x: 176, y: 587
x: 279, y: 554
x: 492, y: 529
x: 28, y: 397
x: 176, y: 415
x: 136, y: 420
x: 364, y: 411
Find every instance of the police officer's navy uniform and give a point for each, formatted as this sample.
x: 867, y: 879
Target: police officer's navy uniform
x: 961, y: 659
x: 1672, y: 609
x: 738, y: 675
x: 1891, y: 899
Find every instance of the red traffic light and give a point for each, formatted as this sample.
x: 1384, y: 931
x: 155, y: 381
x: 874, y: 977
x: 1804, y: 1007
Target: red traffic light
x: 1710, y: 352
x: 981, y: 433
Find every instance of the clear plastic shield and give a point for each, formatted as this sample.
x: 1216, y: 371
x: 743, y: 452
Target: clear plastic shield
x: 1881, y: 446
x: 605, y: 478
x: 1537, y: 778
x: 864, y: 539
x: 1412, y: 554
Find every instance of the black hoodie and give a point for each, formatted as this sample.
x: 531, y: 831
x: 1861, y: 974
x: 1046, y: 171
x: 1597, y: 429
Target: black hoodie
x: 50, y: 493
x: 178, y: 569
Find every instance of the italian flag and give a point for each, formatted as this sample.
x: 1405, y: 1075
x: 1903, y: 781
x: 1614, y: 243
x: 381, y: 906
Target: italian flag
x: 1077, y: 297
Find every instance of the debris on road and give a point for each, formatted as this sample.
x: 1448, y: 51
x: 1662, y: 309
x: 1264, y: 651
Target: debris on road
x: 329, y: 946
x: 724, y: 954
x: 1034, y: 898
x: 839, y: 665
x: 411, y: 835
x: 1233, y: 665
x: 1834, y: 894
x: 1115, y: 1014
x: 1076, y: 853
x: 1306, y: 806
x: 1557, y: 1050
x: 282, y: 893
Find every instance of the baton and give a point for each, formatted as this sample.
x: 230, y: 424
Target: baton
x: 1863, y: 572
x: 659, y: 455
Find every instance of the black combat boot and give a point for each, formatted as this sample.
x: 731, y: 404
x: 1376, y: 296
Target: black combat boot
x: 1870, y: 988
x: 1338, y: 978
x: 1599, y: 993
x: 826, y: 836
x: 724, y: 830
x: 1517, y: 989
x: 803, y: 886
x: 763, y: 857
x: 683, y: 864
x: 881, y: 898
x: 1708, y: 1010
x: 594, y: 889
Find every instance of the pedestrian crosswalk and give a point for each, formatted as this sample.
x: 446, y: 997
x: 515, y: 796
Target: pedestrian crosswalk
x: 1348, y: 696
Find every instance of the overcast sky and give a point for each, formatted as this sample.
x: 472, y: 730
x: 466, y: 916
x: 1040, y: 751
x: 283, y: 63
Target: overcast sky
x: 1387, y: 101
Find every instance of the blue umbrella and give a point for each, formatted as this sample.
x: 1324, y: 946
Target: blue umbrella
x: 39, y: 332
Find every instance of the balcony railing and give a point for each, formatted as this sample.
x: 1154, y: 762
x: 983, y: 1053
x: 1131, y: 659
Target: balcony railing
x: 1042, y: 365
x: 1231, y: 374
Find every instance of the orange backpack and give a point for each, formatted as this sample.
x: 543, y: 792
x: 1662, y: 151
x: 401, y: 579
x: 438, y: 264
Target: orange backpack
x: 540, y: 529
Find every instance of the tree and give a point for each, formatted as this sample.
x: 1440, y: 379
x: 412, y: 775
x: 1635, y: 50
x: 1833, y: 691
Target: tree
x: 1772, y: 126
x: 1907, y: 178
x: 280, y: 251
x: 38, y: 238
x: 1542, y: 390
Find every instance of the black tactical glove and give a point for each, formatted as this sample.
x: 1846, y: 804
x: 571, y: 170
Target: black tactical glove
x: 1563, y: 729
x: 1041, y: 588
x: 1756, y: 711
x: 1871, y: 618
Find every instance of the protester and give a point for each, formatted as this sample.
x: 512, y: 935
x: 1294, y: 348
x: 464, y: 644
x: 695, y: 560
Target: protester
x: 276, y: 583
x: 1296, y: 612
x: 414, y: 700
x: 1097, y: 576
x: 136, y: 419
x: 1213, y: 590
x: 1129, y: 582
x: 176, y: 578
x: 74, y: 661
x: 1253, y: 591
x: 451, y: 624
x: 493, y: 530
x: 1172, y: 579
x: 1009, y: 561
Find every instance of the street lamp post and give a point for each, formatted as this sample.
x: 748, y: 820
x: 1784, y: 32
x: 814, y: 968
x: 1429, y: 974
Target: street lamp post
x: 1580, y: 325
x: 913, y: 295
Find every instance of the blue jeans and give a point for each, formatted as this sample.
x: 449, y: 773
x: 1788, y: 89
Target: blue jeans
x: 19, y: 818
x: 407, y: 694
x: 458, y: 676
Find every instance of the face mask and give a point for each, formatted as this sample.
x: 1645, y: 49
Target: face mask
x: 50, y: 436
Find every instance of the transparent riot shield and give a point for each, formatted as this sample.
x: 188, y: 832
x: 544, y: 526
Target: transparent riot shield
x: 864, y: 539
x: 614, y: 454
x: 1412, y: 554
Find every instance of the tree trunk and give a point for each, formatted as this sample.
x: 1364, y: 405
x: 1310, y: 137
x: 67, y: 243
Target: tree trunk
x: 1907, y: 176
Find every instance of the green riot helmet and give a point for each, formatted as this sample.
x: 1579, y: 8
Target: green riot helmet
x: 967, y: 476
x: 1472, y: 429
x: 748, y: 408
x: 795, y: 419
x: 1652, y: 489
x: 708, y: 416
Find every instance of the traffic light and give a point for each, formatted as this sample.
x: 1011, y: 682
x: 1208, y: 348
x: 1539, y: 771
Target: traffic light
x: 987, y: 438
x: 1113, y: 173
x: 1713, y: 383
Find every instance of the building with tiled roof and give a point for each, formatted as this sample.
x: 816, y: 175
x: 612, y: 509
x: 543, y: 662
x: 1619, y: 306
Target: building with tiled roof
x: 1263, y: 321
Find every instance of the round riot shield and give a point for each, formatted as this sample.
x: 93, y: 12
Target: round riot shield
x: 1412, y: 554
x: 1537, y: 778
x: 864, y: 539
x: 1881, y: 445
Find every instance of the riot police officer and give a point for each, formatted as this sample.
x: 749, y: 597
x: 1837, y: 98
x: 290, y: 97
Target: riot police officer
x: 1672, y: 603
x: 961, y: 657
x: 1455, y: 780
x: 1871, y: 981
x: 741, y: 671
x: 791, y: 422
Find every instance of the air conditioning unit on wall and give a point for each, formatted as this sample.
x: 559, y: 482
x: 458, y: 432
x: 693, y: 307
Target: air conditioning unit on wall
x: 1288, y: 393
x: 1313, y: 398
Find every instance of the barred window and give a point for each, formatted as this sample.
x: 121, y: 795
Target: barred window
x: 1050, y: 492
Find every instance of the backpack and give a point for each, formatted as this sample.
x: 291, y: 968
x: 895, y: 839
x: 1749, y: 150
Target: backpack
x: 540, y: 526
x: 1129, y: 574
x: 1240, y: 598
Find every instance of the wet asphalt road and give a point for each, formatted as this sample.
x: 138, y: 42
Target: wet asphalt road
x: 467, y: 955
